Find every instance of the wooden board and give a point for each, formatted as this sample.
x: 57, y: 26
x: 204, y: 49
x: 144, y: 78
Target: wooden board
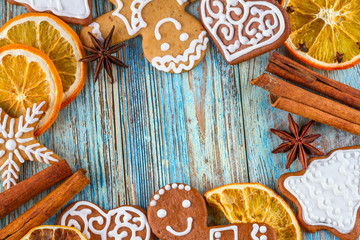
x: 206, y: 128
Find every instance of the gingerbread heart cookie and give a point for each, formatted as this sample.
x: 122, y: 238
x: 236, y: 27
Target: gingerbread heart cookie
x: 71, y: 11
x: 125, y: 222
x: 178, y: 211
x: 327, y: 193
x: 18, y: 144
x: 173, y: 40
x: 243, y: 29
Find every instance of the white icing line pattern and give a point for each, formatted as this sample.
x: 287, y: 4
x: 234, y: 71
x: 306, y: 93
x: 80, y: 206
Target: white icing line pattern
x: 14, y: 148
x: 123, y: 219
x: 96, y: 31
x: 137, y: 21
x: 79, y: 9
x: 329, y: 191
x: 185, y: 61
x: 256, y: 230
x: 223, y: 19
x: 215, y: 233
x: 183, y: 233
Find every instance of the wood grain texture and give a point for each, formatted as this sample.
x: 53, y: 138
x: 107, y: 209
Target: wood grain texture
x: 206, y: 128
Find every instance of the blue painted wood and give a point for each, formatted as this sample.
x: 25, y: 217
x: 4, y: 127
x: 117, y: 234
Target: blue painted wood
x: 207, y: 128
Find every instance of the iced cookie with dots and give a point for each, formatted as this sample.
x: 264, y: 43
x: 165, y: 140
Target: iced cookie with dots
x: 178, y: 211
x: 71, y: 11
x: 327, y: 193
x: 125, y: 222
x: 173, y: 40
x: 243, y: 29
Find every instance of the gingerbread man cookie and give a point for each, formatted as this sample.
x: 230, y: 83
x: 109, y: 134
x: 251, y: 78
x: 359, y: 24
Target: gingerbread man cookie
x: 125, y: 222
x: 71, y: 11
x: 18, y: 144
x: 243, y: 29
x: 173, y: 40
x: 327, y: 193
x: 178, y: 211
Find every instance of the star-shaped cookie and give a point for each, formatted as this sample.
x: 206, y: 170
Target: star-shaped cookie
x: 327, y: 193
x: 18, y: 144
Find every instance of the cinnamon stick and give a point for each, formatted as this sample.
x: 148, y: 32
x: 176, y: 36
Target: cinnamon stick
x: 308, y: 104
x: 21, y: 193
x: 297, y: 73
x: 46, y: 207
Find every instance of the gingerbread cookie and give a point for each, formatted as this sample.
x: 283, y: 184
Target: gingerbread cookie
x: 71, y: 11
x: 125, y: 222
x: 18, y: 144
x: 327, y: 193
x: 173, y: 40
x: 243, y: 29
x: 178, y: 211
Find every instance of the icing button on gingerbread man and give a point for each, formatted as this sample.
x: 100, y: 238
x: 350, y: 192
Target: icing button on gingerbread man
x: 178, y: 211
x: 173, y: 40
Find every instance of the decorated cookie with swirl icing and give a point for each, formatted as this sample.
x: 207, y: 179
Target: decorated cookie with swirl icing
x: 71, y: 11
x: 125, y: 222
x: 178, y: 211
x: 173, y: 40
x: 243, y: 29
x: 327, y: 193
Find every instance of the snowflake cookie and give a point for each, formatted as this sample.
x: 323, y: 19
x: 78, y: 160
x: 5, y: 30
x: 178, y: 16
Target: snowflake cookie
x: 327, y: 193
x: 178, y: 211
x: 173, y: 40
x: 18, y: 144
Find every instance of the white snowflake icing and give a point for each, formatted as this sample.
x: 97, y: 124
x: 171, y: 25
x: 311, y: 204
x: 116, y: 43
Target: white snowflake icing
x: 13, y: 145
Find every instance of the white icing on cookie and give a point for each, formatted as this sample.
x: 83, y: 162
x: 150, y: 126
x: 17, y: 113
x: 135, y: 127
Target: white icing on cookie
x: 215, y: 233
x: 161, y: 213
x: 96, y: 31
x: 329, y: 191
x: 186, y: 61
x: 123, y: 219
x: 256, y: 230
x: 181, y: 2
x: 166, y: 20
x: 137, y: 21
x: 186, y: 203
x: 223, y: 19
x: 79, y: 9
x: 12, y: 136
x: 182, y: 233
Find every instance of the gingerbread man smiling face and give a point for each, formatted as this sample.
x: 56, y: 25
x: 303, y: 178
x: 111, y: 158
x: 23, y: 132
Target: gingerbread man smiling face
x: 178, y: 211
x: 173, y: 40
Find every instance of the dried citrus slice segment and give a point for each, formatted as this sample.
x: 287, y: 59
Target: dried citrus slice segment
x: 253, y: 202
x: 28, y: 76
x: 325, y: 34
x: 57, y: 40
x: 47, y: 232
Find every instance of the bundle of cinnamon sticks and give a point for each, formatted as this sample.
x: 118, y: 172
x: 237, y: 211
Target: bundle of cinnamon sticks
x: 310, y: 94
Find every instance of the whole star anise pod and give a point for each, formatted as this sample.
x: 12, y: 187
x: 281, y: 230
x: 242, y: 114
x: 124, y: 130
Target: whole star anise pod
x: 101, y: 52
x: 297, y: 142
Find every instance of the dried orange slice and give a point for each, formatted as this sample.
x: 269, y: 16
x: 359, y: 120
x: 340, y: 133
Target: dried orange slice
x: 329, y: 29
x: 28, y: 76
x: 47, y: 232
x: 253, y: 202
x: 57, y: 40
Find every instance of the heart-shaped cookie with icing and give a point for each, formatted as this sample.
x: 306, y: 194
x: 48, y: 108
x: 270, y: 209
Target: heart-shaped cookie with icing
x: 173, y: 40
x: 125, y: 222
x: 327, y: 193
x: 178, y: 211
x: 243, y: 29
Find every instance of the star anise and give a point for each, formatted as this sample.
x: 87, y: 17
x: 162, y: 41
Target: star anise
x: 101, y: 52
x: 298, y: 143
